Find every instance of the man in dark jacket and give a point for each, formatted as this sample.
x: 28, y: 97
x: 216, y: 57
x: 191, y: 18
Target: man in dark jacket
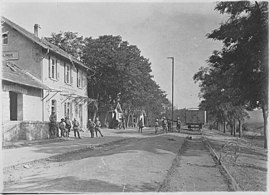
x: 97, y: 127
x: 62, y: 127
x: 91, y: 127
x: 76, y: 125
x: 53, y: 125
x: 68, y: 126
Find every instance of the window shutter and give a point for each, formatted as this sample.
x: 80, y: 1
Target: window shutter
x: 77, y: 77
x: 56, y: 70
x: 65, y: 77
x: 71, y: 78
x: 49, y: 67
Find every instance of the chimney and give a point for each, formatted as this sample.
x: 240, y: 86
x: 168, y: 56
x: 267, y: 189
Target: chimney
x: 36, y: 27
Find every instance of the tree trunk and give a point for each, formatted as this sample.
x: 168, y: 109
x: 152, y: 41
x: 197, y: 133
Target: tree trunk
x: 224, y: 126
x: 231, y: 126
x: 240, y: 128
x: 265, y: 122
x: 234, y: 128
x: 128, y: 118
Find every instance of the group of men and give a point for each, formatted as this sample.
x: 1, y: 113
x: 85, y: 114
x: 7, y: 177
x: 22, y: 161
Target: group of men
x: 64, y: 126
x: 94, y: 127
x: 167, y: 125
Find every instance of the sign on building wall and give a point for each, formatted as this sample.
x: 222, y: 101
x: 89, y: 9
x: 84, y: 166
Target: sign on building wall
x: 10, y: 55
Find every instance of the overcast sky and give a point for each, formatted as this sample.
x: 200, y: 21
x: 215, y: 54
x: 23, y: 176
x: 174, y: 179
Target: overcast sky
x: 158, y: 29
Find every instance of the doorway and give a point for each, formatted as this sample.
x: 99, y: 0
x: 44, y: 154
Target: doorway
x: 80, y: 115
x: 13, y: 106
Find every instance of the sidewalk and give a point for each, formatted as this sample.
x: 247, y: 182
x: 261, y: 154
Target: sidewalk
x: 245, y: 159
x: 23, y: 151
x: 20, y: 152
x: 195, y: 170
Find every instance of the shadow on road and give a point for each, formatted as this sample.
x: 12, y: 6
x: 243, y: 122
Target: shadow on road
x: 162, y: 145
x: 64, y: 184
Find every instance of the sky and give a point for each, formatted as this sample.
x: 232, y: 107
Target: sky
x: 160, y: 29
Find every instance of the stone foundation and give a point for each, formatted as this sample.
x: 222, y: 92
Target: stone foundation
x: 25, y: 130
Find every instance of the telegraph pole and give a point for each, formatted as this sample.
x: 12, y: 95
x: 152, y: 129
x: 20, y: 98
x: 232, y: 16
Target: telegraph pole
x: 172, y: 58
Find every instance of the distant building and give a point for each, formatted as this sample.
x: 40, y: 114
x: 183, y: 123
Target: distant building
x: 50, y: 79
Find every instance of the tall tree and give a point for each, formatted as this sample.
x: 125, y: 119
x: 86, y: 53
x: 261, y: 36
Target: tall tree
x: 121, y: 73
x: 243, y: 59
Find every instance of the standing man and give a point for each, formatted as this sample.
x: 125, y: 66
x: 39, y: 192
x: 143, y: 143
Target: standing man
x: 76, y: 125
x: 91, y: 127
x: 123, y: 122
x: 53, y: 125
x: 68, y: 126
x: 97, y: 128
x: 62, y: 127
x: 165, y: 125
x: 169, y: 125
x: 140, y: 125
x: 156, y: 126
x: 178, y: 124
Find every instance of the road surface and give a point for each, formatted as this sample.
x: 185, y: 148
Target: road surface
x: 134, y: 163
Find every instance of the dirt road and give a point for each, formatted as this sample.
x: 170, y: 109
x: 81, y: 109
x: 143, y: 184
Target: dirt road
x: 136, y: 163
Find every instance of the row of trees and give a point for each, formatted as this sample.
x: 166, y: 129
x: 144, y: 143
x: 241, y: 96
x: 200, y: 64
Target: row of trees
x: 236, y: 78
x: 121, y: 73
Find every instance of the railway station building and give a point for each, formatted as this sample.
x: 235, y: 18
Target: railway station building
x: 38, y: 78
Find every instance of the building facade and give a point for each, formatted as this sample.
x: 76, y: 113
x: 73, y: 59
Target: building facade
x: 64, y: 78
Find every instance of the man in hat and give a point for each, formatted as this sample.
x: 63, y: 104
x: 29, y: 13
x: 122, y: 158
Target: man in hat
x: 156, y: 126
x: 62, y: 127
x: 91, y: 127
x: 165, y: 124
x: 76, y: 125
x: 178, y: 124
x: 68, y: 126
x: 140, y: 125
x: 53, y: 131
x: 97, y: 127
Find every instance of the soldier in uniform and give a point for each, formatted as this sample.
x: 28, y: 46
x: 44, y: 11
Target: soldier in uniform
x: 91, y: 127
x: 97, y: 127
x: 76, y: 125
x: 62, y: 127
x: 165, y: 124
x: 68, y: 126
x: 156, y: 126
x: 140, y: 125
x: 178, y: 124
x: 53, y: 131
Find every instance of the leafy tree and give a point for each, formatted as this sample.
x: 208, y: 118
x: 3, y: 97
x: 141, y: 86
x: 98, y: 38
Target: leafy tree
x: 243, y: 60
x: 69, y: 42
x: 121, y: 73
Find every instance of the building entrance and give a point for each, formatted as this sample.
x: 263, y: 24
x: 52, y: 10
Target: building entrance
x: 13, y: 106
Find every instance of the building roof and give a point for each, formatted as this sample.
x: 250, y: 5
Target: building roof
x: 43, y: 43
x: 13, y: 73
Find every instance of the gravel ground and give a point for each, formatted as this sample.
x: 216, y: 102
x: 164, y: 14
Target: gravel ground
x: 245, y: 161
x: 133, y: 164
x: 194, y: 170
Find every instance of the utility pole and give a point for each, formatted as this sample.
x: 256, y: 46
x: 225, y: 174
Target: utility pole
x: 172, y: 58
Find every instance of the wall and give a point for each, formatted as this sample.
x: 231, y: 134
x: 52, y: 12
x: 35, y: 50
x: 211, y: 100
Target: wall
x: 32, y: 107
x: 35, y: 130
x: 25, y: 130
x: 5, y: 106
x: 65, y: 89
x: 29, y: 102
x: 27, y: 50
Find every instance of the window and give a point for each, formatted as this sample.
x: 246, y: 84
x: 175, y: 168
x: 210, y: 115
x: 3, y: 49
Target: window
x: 52, y: 68
x: 5, y: 38
x: 67, y: 109
x: 67, y: 74
x: 53, y: 106
x: 79, y: 78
